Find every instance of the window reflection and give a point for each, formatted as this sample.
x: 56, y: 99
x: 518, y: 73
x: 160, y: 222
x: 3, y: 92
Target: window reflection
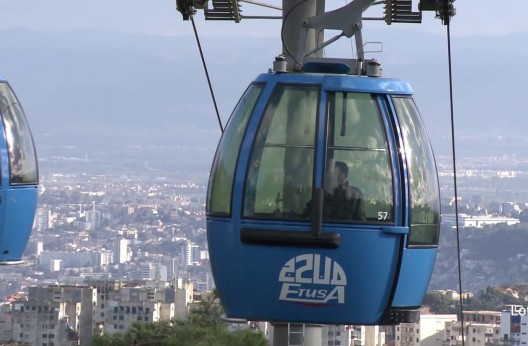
x: 223, y: 172
x: 280, y: 172
x: 425, y: 203
x: 358, y: 180
x: 21, y: 151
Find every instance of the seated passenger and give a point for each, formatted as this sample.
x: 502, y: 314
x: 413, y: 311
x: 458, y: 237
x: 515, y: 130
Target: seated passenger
x: 342, y: 201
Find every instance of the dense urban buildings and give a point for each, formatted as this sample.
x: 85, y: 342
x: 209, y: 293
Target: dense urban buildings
x: 107, y: 252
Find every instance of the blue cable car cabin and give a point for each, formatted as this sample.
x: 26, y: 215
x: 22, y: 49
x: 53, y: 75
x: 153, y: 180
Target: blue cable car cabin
x: 323, y: 202
x: 18, y: 177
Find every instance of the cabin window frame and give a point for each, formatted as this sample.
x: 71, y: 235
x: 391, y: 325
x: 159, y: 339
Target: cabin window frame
x: 424, y: 213
x: 386, y: 214
x: 219, y: 200
x: 253, y: 206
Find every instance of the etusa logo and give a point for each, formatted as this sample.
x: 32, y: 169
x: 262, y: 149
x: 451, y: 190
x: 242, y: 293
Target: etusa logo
x: 313, y: 279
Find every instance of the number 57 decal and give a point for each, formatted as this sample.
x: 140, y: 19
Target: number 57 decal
x: 382, y: 215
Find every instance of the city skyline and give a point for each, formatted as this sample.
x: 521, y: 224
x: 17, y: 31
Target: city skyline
x: 112, y: 138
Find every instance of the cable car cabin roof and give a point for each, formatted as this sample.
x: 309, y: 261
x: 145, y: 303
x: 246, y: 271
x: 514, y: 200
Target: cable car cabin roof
x: 342, y: 82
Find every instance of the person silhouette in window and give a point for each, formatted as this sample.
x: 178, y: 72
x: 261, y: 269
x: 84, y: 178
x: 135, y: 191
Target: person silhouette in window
x: 342, y: 200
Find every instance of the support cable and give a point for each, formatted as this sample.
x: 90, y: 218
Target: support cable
x: 207, y: 75
x: 461, y: 300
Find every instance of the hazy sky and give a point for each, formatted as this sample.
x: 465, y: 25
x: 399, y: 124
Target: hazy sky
x: 160, y: 17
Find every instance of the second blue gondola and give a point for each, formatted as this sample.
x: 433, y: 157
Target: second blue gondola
x: 18, y: 177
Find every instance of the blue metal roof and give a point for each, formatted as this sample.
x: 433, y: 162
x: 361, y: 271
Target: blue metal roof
x: 334, y: 82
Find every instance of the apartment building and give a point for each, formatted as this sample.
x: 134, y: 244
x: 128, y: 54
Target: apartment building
x: 54, y: 316
x: 121, y: 304
x: 514, y: 325
x: 475, y: 334
x: 69, y: 315
x: 429, y: 331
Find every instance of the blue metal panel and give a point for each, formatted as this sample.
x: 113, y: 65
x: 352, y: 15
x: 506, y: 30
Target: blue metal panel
x: 364, y: 84
x: 19, y: 212
x: 415, y: 272
x: 290, y: 78
x: 4, y: 176
x: 343, y: 83
x: 348, y: 285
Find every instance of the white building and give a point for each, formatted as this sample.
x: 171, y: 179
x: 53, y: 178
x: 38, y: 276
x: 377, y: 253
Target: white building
x: 128, y: 305
x: 55, y: 315
x: 69, y: 259
x: 6, y: 322
x: 43, y: 219
x: 93, y: 219
x: 335, y: 335
x: 366, y: 336
x: 428, y: 332
x: 192, y: 254
x: 104, y: 258
x: 121, y: 251
x: 514, y: 325
x: 465, y: 220
x: 475, y: 334
x: 34, y: 247
x: 55, y: 265
x: 203, y: 283
x: 329, y: 335
x: 172, y: 266
x: 121, y: 304
x: 153, y: 271
x: 454, y: 295
x: 483, y: 317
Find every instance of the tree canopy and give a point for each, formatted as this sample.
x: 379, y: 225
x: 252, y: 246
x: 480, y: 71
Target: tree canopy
x: 491, y: 299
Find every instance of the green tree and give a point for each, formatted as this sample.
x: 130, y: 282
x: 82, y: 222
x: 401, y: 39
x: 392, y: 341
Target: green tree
x: 440, y: 303
x: 491, y: 299
x: 148, y: 333
x: 208, y: 312
x: 117, y: 339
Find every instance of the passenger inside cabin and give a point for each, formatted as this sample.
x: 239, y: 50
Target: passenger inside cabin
x: 342, y: 200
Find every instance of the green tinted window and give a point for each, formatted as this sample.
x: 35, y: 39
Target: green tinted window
x: 22, y: 156
x: 423, y: 178
x: 358, y: 176
x: 280, y: 173
x: 223, y: 171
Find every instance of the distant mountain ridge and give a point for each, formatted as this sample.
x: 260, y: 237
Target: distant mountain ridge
x: 146, y: 89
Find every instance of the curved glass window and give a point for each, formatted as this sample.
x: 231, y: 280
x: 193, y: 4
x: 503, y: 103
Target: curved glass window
x: 358, y: 177
x: 21, y: 151
x: 223, y: 172
x: 280, y: 173
x: 423, y: 178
